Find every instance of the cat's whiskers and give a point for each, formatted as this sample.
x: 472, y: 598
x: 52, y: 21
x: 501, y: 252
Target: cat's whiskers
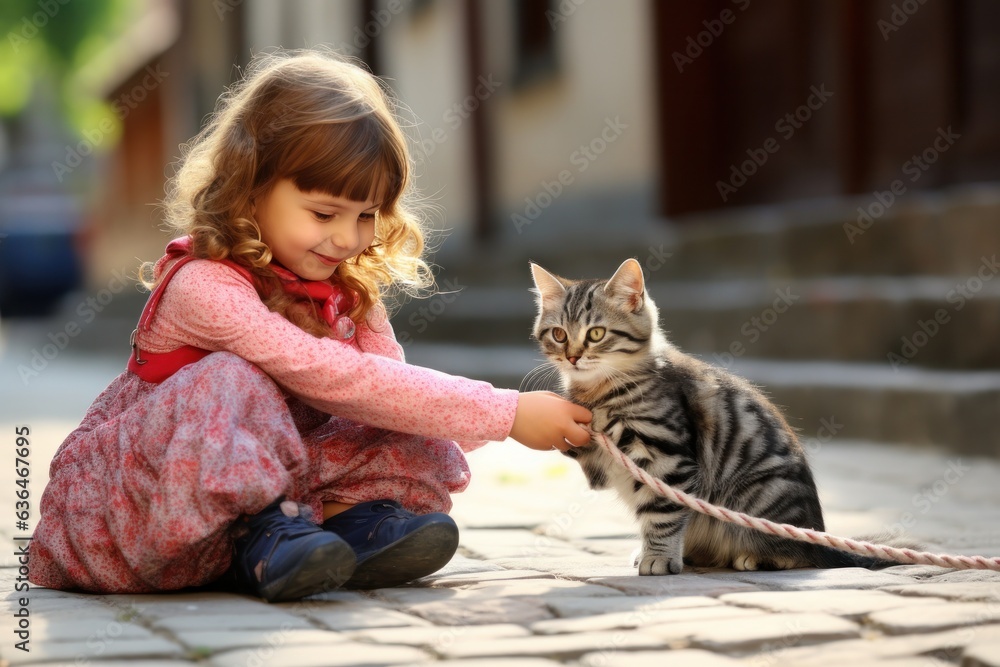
x: 538, y: 376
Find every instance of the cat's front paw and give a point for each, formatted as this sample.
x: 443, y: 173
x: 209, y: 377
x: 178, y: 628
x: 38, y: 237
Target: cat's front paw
x: 660, y: 564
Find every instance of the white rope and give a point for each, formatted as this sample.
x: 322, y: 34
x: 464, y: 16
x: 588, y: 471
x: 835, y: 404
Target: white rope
x: 794, y: 532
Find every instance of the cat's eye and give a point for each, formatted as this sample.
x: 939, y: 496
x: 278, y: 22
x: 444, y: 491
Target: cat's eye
x: 595, y: 334
x: 559, y: 335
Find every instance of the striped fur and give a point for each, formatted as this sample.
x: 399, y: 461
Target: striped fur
x: 695, y: 426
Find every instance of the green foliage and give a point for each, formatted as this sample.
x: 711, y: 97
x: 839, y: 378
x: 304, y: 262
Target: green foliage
x: 53, y: 40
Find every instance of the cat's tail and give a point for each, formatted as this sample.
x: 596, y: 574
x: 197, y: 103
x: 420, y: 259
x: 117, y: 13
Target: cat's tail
x: 828, y: 557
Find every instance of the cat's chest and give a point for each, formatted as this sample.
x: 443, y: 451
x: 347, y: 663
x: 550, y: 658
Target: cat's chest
x: 610, y: 422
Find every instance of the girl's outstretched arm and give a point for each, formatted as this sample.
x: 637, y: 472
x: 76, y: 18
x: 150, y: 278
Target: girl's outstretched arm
x: 211, y: 306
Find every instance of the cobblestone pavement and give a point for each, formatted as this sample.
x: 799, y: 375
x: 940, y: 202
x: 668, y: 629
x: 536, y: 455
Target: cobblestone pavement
x: 543, y: 578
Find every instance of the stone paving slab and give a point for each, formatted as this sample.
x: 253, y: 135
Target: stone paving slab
x: 78, y: 652
x: 765, y: 631
x: 438, y: 637
x: 476, y: 577
x: 678, y: 658
x: 348, y: 654
x: 260, y: 622
x: 45, y: 628
x: 576, y: 607
x: 499, y: 662
x: 118, y: 663
x: 586, y: 566
x: 849, y: 603
x: 639, y: 619
x: 974, y: 592
x: 560, y: 647
x: 488, y: 590
x: 486, y: 611
x: 363, y: 617
x: 90, y: 606
x: 217, y: 641
x: 947, y: 646
x: 677, y: 584
x: 938, y: 617
x: 811, y: 579
x: 982, y: 654
x: 190, y: 604
x: 524, y: 544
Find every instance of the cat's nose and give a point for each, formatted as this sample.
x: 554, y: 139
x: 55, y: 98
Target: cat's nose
x: 573, y: 360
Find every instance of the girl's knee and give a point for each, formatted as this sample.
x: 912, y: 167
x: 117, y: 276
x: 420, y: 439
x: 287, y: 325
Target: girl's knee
x: 227, y: 371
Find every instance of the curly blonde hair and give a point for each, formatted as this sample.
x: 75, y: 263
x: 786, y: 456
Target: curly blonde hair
x: 327, y: 125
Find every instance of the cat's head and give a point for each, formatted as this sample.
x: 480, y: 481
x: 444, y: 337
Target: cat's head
x: 592, y: 328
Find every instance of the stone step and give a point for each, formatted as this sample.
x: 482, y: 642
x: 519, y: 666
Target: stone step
x: 945, y: 322
x: 821, y: 400
x: 941, y: 232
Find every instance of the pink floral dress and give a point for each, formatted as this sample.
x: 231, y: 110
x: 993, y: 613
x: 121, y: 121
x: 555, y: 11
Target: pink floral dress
x: 144, y: 494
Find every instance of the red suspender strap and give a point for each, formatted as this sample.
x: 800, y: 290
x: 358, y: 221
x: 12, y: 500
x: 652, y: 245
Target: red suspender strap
x: 158, y: 367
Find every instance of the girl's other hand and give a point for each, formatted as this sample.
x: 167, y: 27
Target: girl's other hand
x: 546, y: 421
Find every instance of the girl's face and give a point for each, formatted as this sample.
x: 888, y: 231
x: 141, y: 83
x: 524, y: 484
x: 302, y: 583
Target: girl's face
x: 311, y: 233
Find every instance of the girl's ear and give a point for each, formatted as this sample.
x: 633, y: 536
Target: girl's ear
x: 627, y: 286
x: 549, y: 289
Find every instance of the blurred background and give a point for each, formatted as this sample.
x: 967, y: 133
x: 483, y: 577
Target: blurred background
x: 813, y: 188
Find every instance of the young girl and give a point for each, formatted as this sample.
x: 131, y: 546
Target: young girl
x: 267, y: 426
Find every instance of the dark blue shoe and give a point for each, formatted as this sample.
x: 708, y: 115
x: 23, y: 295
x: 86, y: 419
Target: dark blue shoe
x: 394, y: 546
x: 287, y: 558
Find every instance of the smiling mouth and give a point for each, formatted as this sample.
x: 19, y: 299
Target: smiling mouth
x: 329, y: 261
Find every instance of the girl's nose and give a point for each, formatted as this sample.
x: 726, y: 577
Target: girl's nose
x: 346, y: 237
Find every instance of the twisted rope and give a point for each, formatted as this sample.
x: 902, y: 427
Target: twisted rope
x: 908, y: 556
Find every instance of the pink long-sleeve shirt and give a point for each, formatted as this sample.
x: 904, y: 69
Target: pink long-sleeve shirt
x: 211, y: 306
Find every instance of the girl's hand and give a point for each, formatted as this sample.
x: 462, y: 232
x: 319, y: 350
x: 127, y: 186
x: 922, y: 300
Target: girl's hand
x: 546, y: 421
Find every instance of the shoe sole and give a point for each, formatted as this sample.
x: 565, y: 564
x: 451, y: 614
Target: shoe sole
x: 422, y: 552
x: 323, y: 569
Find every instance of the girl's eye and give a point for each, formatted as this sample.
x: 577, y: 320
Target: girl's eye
x: 559, y: 335
x: 323, y: 217
x: 596, y: 334
x: 366, y: 217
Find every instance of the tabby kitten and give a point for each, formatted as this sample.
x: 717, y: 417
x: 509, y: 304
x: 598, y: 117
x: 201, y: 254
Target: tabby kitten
x: 694, y: 426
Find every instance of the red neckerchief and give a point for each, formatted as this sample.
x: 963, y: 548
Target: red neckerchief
x: 158, y: 367
x: 334, y: 299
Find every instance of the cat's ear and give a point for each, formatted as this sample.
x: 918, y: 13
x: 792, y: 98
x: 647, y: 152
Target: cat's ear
x: 627, y: 286
x: 549, y: 288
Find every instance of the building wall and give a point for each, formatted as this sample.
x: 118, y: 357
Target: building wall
x: 604, y: 73
x: 604, y: 78
x: 423, y: 59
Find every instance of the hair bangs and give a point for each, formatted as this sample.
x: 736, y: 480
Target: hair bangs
x: 359, y: 160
